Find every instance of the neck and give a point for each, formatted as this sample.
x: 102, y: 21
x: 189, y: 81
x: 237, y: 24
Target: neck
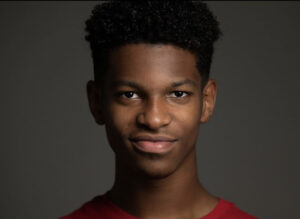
x: 179, y: 195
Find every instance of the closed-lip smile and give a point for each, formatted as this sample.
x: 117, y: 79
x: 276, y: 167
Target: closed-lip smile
x: 154, y: 144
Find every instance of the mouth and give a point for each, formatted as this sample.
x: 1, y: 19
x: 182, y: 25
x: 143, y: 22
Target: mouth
x: 153, y: 144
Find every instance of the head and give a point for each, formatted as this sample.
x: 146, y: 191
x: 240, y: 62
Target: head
x: 152, y: 88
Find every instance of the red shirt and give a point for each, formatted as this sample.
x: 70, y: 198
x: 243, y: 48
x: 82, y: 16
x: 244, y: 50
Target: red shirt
x: 102, y: 208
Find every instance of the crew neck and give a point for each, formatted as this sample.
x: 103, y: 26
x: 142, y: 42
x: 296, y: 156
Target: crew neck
x: 219, y: 210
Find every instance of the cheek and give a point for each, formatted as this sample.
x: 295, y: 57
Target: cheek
x: 188, y: 122
x: 115, y: 126
x: 119, y: 121
x: 191, y: 112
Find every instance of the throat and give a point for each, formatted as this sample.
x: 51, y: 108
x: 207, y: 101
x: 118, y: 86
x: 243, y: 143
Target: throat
x: 179, y: 195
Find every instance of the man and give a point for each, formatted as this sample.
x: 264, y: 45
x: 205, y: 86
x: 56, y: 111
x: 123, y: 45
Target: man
x: 152, y: 91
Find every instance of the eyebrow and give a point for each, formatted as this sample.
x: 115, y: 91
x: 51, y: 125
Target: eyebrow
x: 187, y: 81
x: 119, y: 83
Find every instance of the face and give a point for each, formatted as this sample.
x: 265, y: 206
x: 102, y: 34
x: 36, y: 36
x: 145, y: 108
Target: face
x: 151, y: 105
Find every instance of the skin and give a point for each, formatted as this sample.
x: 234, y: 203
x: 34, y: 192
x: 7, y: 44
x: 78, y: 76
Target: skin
x: 155, y: 90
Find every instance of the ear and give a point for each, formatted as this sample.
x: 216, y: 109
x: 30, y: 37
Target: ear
x: 94, y: 98
x: 209, y: 95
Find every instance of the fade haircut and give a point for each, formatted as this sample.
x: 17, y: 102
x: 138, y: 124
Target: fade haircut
x: 189, y: 25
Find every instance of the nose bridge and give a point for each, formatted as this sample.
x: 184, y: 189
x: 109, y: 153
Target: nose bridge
x: 155, y: 113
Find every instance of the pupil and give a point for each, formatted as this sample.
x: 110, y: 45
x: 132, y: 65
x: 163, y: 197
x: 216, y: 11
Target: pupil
x: 129, y: 94
x: 178, y: 93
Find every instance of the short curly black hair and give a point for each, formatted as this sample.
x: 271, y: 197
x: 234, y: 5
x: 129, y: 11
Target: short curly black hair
x: 189, y: 25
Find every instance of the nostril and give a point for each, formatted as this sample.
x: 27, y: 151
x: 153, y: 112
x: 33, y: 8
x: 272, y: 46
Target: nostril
x: 153, y: 120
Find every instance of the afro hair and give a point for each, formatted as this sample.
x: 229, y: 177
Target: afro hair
x: 189, y: 25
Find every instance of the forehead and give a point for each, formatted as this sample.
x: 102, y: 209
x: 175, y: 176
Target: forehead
x: 152, y: 62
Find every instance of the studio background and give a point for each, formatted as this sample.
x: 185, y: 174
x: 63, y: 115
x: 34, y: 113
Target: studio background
x: 54, y: 157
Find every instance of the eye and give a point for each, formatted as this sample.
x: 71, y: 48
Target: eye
x: 179, y: 94
x: 129, y: 95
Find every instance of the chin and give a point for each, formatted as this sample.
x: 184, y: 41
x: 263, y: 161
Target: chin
x: 155, y: 169
x: 154, y: 174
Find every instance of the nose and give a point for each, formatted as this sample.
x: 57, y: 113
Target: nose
x: 154, y: 115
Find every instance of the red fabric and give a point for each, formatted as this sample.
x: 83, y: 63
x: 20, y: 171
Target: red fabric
x: 102, y: 208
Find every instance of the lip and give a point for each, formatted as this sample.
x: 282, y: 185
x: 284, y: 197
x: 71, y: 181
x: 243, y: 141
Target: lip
x: 153, y: 144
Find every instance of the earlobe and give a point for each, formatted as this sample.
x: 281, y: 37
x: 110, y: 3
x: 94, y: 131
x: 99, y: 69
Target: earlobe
x: 94, y: 99
x: 209, y: 95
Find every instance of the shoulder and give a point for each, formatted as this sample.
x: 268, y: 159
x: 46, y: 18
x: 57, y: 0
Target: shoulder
x: 99, y: 207
x: 89, y: 210
x: 235, y: 212
x: 228, y: 210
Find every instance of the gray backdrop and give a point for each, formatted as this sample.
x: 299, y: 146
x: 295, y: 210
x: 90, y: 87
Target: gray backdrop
x: 54, y: 157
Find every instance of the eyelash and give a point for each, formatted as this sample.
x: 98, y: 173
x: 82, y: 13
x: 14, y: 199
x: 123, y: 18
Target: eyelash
x: 123, y: 94
x: 185, y: 94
